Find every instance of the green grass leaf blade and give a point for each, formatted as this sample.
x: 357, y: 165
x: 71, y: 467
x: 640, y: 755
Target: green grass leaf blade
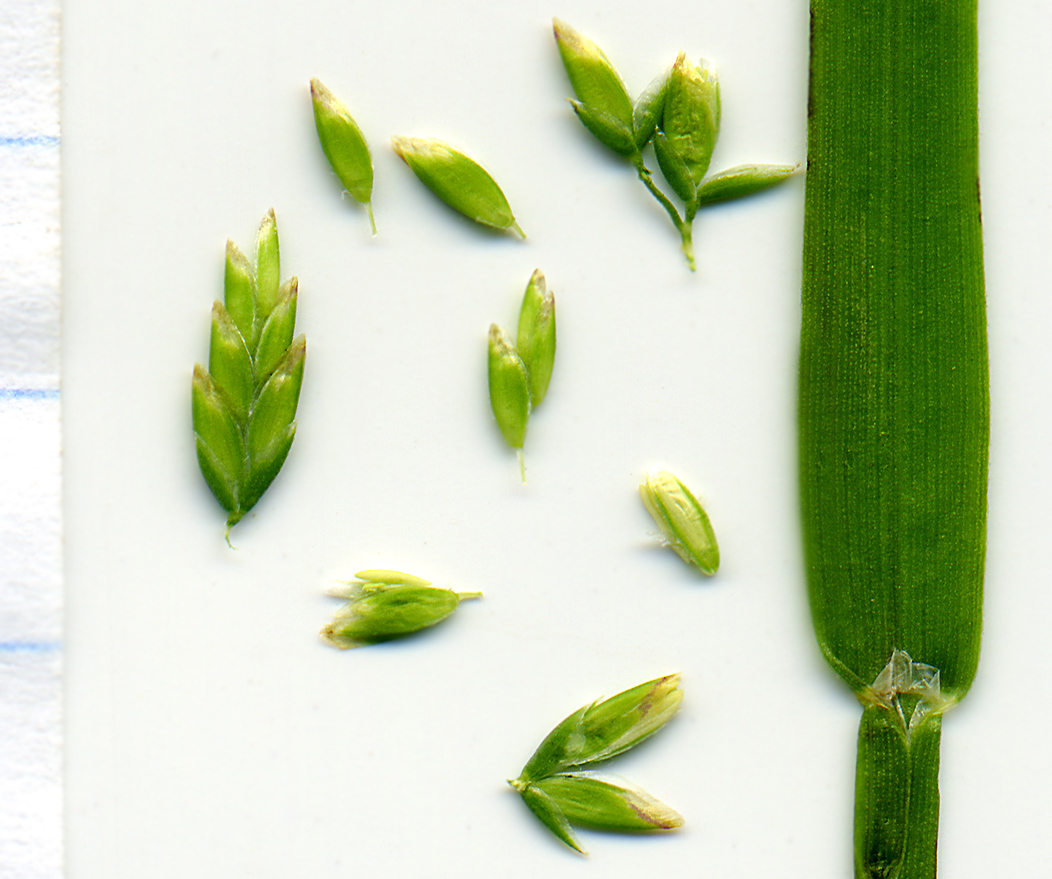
x: 894, y: 395
x: 893, y: 383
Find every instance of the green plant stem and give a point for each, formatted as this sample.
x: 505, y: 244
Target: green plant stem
x: 922, y: 816
x: 882, y: 777
x: 684, y: 226
x: 896, y: 796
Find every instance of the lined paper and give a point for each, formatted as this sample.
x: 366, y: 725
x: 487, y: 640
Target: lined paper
x: 30, y: 442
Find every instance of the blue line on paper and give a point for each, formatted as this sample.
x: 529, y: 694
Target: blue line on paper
x: 38, y: 140
x: 29, y: 393
x: 30, y: 646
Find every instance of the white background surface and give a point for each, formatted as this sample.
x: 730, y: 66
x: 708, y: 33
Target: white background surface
x: 212, y: 734
x: 30, y: 443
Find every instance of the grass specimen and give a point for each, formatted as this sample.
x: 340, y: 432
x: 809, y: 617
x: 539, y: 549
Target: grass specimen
x: 535, y: 335
x: 519, y: 372
x: 679, y: 112
x: 344, y: 146
x: 560, y: 796
x: 894, y: 410
x: 458, y: 180
x: 244, y: 404
x: 684, y: 524
x: 509, y: 390
x: 389, y: 604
